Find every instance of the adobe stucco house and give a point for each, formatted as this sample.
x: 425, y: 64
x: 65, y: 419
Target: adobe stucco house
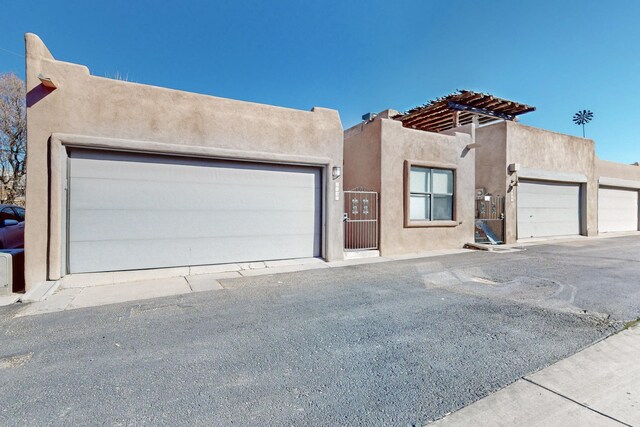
x: 125, y: 176
x: 547, y: 178
x: 554, y: 185
x: 131, y: 177
x: 423, y: 163
x: 543, y: 183
x: 549, y: 184
x: 426, y: 182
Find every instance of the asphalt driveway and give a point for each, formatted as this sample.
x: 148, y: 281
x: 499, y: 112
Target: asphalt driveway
x: 395, y: 343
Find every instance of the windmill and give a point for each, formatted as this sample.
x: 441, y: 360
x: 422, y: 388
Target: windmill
x: 582, y: 118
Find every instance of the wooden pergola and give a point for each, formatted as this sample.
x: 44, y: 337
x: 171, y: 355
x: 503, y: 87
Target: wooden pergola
x: 459, y: 109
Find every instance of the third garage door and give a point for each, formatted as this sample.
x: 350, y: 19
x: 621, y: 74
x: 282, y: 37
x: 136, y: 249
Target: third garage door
x: 133, y: 211
x: 617, y: 209
x: 548, y: 209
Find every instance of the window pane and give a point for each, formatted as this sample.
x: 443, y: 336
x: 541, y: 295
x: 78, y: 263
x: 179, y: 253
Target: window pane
x: 419, y: 207
x: 442, y: 181
x: 419, y: 180
x: 442, y: 207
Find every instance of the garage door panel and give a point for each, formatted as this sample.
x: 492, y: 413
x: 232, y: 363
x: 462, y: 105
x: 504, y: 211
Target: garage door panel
x: 547, y: 201
x: 112, y: 225
x: 546, y: 209
x: 545, y: 230
x: 129, y: 211
x: 144, y: 198
x: 91, y: 164
x: 194, y: 252
x: 145, y: 195
x: 617, y: 209
x: 549, y: 188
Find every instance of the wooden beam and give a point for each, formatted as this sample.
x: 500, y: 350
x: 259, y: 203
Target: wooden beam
x: 467, y: 97
x: 459, y: 109
x: 444, y: 119
x: 488, y: 103
x: 485, y: 112
x: 426, y: 110
x: 435, y: 120
x: 427, y: 115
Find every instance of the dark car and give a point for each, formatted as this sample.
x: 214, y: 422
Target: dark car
x: 11, y: 227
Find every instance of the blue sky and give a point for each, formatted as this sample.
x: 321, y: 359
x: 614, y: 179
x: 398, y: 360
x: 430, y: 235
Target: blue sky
x: 560, y: 56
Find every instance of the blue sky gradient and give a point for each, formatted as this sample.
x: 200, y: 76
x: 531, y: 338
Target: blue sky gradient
x: 560, y: 56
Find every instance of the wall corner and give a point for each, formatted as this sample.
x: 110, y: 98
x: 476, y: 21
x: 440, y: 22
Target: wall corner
x: 35, y: 47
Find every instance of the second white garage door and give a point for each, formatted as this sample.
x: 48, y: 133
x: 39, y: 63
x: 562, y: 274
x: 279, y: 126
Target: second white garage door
x: 133, y: 211
x: 617, y: 209
x: 548, y: 209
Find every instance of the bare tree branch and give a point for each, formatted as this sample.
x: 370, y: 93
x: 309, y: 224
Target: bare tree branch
x: 13, y: 138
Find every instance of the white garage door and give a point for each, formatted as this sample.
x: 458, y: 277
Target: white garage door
x: 134, y: 211
x: 548, y: 209
x: 617, y: 209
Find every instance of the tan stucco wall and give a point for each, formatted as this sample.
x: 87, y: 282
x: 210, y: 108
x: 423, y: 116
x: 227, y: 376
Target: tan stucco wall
x: 399, y: 144
x: 535, y: 149
x: 607, y: 169
x: 491, y: 159
x: 362, y: 156
x: 83, y: 104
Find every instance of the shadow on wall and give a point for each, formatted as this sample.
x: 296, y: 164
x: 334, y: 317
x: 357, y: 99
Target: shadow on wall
x: 37, y: 93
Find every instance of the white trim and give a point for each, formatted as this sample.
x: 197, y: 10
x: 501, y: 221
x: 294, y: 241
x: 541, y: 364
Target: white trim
x: 617, y: 182
x: 549, y: 175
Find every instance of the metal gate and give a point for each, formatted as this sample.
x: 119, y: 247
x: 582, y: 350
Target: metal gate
x: 360, y: 220
x: 490, y: 219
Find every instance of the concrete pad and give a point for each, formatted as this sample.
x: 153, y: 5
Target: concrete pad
x: 297, y: 261
x: 492, y: 248
x: 605, y: 376
x: 205, y: 282
x: 122, y: 292
x: 361, y: 254
x: 283, y: 269
x: 617, y: 234
x: 40, y: 291
x: 82, y: 280
x: 209, y: 269
x: 9, y: 299
x: 524, y: 404
x: 536, y: 241
x: 56, y: 302
x: 215, y: 276
x: 348, y: 262
x: 429, y: 254
x: 252, y: 265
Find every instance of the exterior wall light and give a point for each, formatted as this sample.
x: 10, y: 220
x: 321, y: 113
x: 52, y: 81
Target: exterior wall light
x: 336, y: 172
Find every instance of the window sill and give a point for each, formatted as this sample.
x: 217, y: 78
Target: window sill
x: 429, y: 224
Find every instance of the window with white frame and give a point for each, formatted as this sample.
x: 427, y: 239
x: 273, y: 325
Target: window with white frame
x: 431, y: 194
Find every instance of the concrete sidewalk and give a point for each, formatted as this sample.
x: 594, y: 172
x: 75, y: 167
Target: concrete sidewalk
x: 597, y: 386
x: 96, y: 289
